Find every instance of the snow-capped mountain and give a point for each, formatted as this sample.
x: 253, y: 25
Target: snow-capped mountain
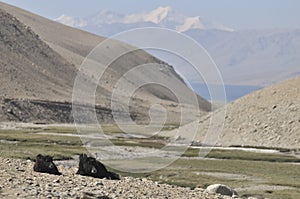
x: 244, y: 57
x: 108, y: 23
x: 155, y: 16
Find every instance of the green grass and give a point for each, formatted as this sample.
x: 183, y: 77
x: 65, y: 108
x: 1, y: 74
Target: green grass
x: 243, y: 155
x: 106, y: 128
x: 29, y: 150
x: 30, y: 144
x: 31, y: 136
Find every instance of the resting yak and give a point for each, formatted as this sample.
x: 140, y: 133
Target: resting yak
x: 44, y: 164
x: 89, y: 166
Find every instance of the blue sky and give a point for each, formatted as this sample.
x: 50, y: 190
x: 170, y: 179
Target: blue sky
x: 238, y: 14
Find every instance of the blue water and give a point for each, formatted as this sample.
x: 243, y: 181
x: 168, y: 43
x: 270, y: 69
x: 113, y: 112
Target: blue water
x: 233, y: 92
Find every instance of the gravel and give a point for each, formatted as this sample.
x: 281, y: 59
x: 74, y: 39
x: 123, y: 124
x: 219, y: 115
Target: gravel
x: 18, y: 180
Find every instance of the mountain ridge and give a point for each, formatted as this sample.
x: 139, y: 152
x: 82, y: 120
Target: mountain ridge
x: 253, y: 57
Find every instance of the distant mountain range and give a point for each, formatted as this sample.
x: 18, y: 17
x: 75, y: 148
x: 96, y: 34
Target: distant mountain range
x: 108, y: 23
x: 253, y: 57
x: 244, y: 57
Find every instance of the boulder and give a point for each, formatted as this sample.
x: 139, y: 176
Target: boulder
x: 221, y: 189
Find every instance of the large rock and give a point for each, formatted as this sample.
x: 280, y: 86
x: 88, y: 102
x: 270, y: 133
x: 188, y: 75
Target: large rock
x: 221, y: 189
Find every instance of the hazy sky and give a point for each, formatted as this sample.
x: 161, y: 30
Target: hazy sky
x: 238, y: 14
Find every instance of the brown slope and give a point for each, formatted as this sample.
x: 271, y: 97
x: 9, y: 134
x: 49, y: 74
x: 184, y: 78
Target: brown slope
x: 74, y: 45
x: 29, y: 67
x: 70, y: 46
x: 34, y: 79
x: 268, y: 117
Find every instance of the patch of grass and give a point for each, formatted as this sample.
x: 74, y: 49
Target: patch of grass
x: 263, y: 147
x: 29, y: 144
x: 29, y: 150
x: 286, y: 194
x: 28, y: 136
x: 60, y: 129
x: 243, y: 155
x: 108, y: 129
x: 149, y: 143
x: 275, y: 173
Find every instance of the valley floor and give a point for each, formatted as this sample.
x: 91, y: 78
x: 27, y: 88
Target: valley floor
x: 18, y: 180
x: 261, y: 173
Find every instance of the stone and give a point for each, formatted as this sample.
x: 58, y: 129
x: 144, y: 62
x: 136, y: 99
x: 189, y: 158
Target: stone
x: 221, y: 189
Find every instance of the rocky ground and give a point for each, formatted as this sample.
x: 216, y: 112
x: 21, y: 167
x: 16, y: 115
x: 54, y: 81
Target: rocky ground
x: 266, y: 118
x: 18, y: 180
x: 43, y: 111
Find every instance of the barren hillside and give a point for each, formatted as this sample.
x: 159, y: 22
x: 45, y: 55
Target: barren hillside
x: 29, y: 67
x: 268, y: 117
x: 40, y: 60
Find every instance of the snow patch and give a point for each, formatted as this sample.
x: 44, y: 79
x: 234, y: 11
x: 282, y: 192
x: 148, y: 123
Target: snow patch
x: 158, y: 15
x: 191, y: 23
